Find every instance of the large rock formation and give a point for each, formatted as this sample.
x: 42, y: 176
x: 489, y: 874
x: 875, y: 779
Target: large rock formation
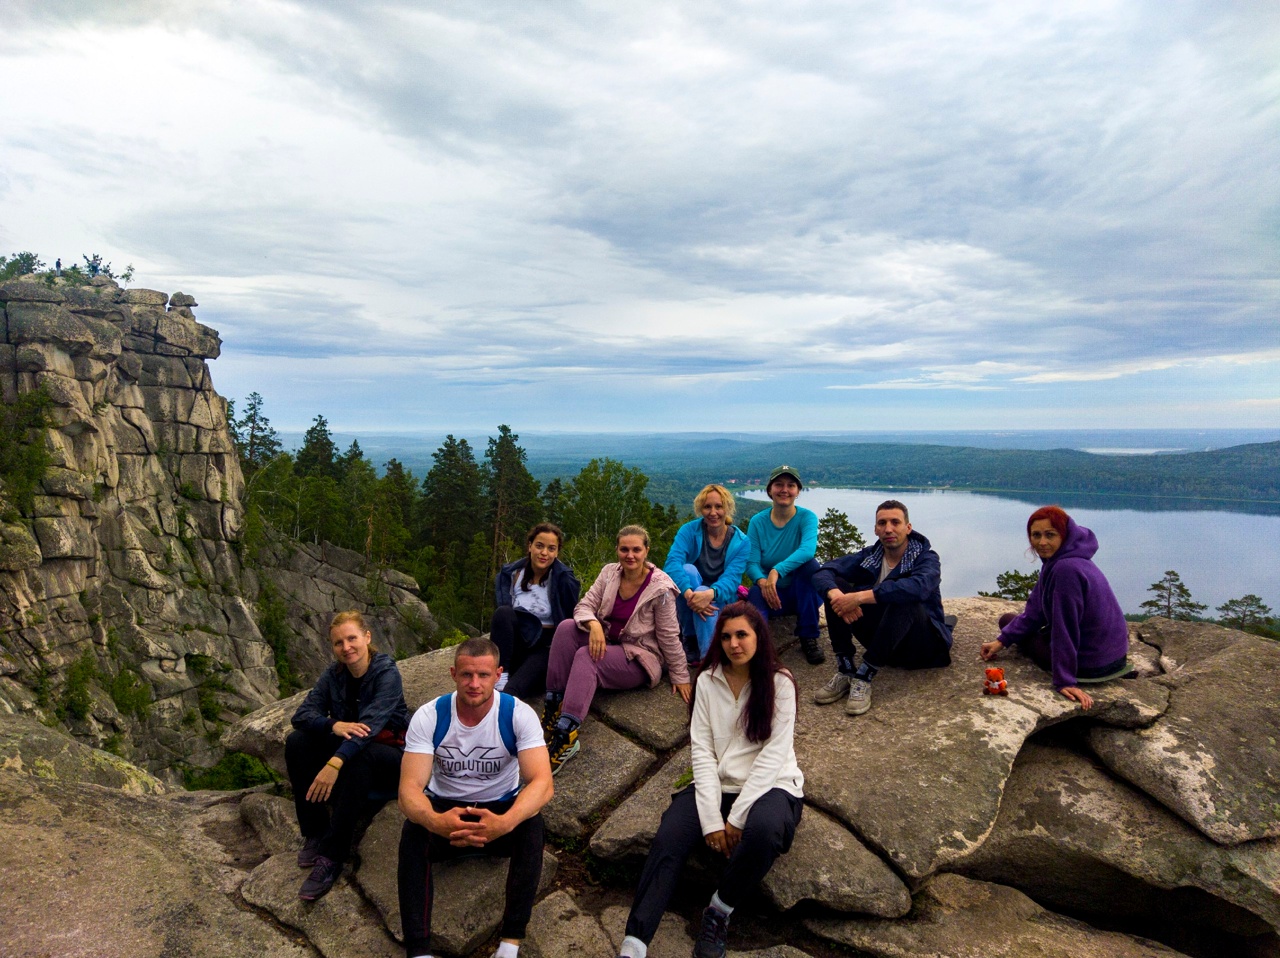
x: 126, y: 611
x: 937, y: 778
x: 1054, y: 853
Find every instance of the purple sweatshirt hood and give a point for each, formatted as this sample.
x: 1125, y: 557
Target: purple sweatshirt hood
x: 1080, y: 543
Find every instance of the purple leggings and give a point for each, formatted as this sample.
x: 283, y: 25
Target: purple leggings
x: 573, y: 671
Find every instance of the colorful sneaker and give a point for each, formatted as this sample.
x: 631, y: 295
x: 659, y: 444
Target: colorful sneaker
x: 564, y: 746
x: 308, y: 852
x: 550, y: 716
x: 812, y: 650
x: 837, y: 687
x: 859, y: 699
x: 321, y: 879
x: 714, y: 935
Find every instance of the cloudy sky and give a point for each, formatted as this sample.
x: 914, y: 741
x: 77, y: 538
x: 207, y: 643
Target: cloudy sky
x: 697, y: 215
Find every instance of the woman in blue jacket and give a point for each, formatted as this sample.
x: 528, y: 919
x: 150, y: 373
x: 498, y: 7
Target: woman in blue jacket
x: 347, y: 742
x: 706, y: 562
x: 534, y: 595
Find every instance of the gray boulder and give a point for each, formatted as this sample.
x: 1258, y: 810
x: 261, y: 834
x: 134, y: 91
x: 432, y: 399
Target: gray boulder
x: 559, y: 929
x: 340, y: 925
x: 629, y: 831
x: 29, y: 748
x: 1212, y: 757
x: 828, y: 865
x: 273, y: 821
x: 959, y: 918
x: 88, y: 871
x: 605, y: 768
x: 932, y: 755
x: 1075, y: 838
x: 671, y: 938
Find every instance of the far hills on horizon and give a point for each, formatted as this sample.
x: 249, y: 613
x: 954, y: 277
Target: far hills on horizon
x: 1226, y: 471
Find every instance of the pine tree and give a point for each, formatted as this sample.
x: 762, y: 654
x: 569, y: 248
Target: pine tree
x: 1172, y: 599
x: 837, y: 536
x: 1247, y: 613
x: 1014, y: 585
x: 318, y: 455
x: 256, y: 441
x: 452, y: 506
x: 512, y: 493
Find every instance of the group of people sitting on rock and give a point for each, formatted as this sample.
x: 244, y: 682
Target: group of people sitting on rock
x: 473, y: 769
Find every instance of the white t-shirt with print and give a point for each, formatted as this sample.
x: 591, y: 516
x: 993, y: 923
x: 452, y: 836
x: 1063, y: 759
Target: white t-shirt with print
x: 472, y: 763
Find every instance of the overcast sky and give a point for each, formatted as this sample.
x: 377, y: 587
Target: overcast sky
x: 677, y: 216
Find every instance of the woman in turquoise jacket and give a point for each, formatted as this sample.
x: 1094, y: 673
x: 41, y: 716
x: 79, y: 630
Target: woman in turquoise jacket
x: 706, y: 563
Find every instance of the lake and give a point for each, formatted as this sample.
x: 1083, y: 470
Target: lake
x: 979, y: 536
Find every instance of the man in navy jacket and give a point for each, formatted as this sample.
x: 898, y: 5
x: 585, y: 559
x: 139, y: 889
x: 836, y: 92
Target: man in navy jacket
x: 888, y: 596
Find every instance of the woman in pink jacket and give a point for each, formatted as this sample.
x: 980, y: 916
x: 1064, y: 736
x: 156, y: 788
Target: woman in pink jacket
x: 622, y: 633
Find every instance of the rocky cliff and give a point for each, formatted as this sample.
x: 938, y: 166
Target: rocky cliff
x: 942, y: 823
x: 127, y: 612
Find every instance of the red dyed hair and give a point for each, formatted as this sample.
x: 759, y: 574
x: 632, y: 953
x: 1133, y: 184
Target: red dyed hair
x: 1057, y: 518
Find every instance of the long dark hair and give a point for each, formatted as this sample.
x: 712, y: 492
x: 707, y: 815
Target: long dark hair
x: 757, y: 717
x: 550, y: 528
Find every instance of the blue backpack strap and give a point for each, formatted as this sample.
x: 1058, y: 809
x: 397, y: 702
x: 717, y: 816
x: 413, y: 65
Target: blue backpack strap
x: 444, y: 716
x: 506, y: 720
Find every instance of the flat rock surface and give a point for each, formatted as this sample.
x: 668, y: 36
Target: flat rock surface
x: 469, y: 893
x: 340, y: 925
x: 1214, y: 756
x: 29, y: 748
x: 90, y: 871
x: 959, y: 918
x: 1074, y: 837
x: 606, y: 766
x: 919, y: 777
x: 655, y: 717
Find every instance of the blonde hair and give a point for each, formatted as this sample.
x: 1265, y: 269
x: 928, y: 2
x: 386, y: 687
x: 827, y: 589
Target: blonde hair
x: 355, y: 617
x: 634, y: 530
x: 725, y: 496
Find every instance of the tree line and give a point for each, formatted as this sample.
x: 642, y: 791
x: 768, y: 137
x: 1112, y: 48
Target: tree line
x: 451, y: 529
x: 1170, y: 598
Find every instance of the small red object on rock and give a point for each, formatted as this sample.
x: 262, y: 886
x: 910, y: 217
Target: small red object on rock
x: 995, y: 683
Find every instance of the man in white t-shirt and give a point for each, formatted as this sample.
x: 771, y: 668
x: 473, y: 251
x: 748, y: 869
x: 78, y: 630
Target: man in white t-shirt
x: 473, y: 781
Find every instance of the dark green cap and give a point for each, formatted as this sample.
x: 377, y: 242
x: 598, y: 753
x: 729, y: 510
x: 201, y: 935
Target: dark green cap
x: 784, y: 470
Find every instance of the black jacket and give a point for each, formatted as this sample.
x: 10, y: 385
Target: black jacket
x: 917, y: 578
x: 563, y: 588
x: 381, y: 702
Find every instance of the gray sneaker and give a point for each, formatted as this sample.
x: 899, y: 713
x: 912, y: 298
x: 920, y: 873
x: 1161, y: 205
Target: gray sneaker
x: 859, y: 699
x: 835, y: 689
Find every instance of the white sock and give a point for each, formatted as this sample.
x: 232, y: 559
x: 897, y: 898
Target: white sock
x: 507, y: 949
x: 633, y: 947
x: 720, y: 906
x: 502, y: 684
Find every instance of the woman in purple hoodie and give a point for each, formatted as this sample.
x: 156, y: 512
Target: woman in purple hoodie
x: 1072, y: 626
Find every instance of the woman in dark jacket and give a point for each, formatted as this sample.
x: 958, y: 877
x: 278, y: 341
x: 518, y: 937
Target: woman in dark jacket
x: 348, y: 740
x: 533, y: 595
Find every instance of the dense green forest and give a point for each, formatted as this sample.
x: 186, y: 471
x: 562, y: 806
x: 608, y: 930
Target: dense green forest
x: 453, y: 528
x: 1248, y: 474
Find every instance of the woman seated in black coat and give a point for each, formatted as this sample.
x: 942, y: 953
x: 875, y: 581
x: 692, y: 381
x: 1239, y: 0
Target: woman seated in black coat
x: 534, y: 595
x: 347, y: 743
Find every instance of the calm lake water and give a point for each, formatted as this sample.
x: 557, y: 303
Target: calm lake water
x: 979, y: 536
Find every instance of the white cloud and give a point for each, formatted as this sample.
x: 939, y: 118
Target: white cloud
x: 802, y: 198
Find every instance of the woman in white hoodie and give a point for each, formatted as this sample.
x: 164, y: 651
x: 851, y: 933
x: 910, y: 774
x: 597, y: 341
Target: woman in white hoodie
x: 747, y: 791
